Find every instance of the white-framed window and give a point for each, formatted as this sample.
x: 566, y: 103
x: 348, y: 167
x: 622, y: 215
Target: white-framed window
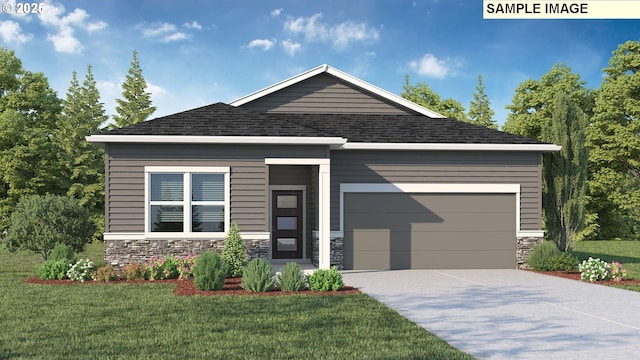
x: 186, y: 200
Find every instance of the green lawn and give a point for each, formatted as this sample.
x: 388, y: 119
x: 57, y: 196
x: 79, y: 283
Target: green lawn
x: 99, y: 321
x: 626, y: 253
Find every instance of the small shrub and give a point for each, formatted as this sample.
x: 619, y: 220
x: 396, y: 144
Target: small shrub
x: 210, y: 271
x: 593, y: 270
x: 292, y: 278
x: 186, y: 264
x: 234, y: 252
x: 547, y: 257
x: 63, y: 252
x: 258, y: 276
x: 105, y: 273
x: 54, y: 269
x: 81, y: 271
x: 133, y: 271
x: 616, y: 272
x: 325, y: 280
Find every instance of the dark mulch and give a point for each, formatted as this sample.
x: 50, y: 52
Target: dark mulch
x: 186, y: 287
x: 575, y: 275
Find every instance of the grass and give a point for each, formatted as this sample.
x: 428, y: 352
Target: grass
x: 146, y: 321
x: 626, y: 253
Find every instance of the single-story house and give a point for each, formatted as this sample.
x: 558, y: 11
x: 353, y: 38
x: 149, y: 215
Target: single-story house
x: 327, y: 168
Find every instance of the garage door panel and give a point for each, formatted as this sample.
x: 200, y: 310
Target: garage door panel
x: 399, y: 231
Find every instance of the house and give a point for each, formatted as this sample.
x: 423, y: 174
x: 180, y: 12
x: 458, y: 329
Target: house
x: 327, y: 168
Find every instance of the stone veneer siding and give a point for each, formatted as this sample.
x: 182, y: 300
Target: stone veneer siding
x: 337, y: 251
x: 122, y: 252
x: 524, y: 244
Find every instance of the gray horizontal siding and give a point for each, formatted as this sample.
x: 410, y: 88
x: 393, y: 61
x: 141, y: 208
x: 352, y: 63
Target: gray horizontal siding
x: 441, y: 167
x: 325, y: 94
x: 125, y: 176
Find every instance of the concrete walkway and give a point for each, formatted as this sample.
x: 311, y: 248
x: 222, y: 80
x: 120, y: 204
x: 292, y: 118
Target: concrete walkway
x: 512, y: 314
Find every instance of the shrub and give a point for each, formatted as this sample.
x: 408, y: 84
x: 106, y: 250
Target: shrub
x: 63, y: 252
x: 162, y: 268
x: 616, y: 272
x: 134, y: 271
x: 547, y: 257
x: 38, y: 223
x: 325, y: 280
x: 210, y: 271
x: 234, y: 252
x: 186, y: 264
x: 105, y: 273
x: 54, y: 269
x: 292, y: 278
x: 593, y: 270
x: 81, y: 271
x: 258, y: 276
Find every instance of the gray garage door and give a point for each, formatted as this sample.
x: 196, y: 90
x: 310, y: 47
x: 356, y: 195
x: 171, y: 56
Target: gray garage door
x: 429, y: 231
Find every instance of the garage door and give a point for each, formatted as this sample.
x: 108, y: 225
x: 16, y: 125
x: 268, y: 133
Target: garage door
x: 429, y: 231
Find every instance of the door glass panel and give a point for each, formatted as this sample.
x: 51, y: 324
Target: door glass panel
x: 287, y: 244
x: 287, y: 201
x: 287, y: 223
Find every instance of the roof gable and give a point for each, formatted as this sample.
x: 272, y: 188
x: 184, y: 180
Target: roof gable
x: 325, y: 89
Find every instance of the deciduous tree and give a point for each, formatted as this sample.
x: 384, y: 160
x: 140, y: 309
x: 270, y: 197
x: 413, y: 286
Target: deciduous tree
x: 422, y: 94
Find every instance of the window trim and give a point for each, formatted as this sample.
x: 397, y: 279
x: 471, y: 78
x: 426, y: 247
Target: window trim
x: 186, y: 202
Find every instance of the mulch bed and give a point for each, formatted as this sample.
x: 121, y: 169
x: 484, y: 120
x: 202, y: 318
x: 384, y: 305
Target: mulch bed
x: 232, y: 286
x: 575, y: 275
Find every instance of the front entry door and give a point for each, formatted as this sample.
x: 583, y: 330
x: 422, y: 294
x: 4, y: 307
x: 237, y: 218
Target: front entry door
x: 286, y: 224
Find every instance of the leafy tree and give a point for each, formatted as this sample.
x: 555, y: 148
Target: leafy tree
x: 29, y: 148
x: 136, y: 106
x: 564, y: 181
x: 40, y: 222
x: 234, y: 252
x: 480, y: 112
x: 532, y: 104
x: 82, y: 115
x: 422, y: 94
x: 614, y: 143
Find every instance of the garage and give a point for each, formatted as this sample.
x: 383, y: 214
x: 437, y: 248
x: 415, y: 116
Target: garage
x: 429, y: 231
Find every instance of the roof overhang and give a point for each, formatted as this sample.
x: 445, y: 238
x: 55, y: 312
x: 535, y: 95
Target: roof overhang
x: 335, y: 143
x: 342, y: 76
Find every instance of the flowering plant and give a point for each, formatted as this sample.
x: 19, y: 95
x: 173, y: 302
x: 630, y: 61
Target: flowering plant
x: 133, y: 271
x: 186, y: 264
x: 81, y: 271
x: 616, y: 272
x: 593, y: 270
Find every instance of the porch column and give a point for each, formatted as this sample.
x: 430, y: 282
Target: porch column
x: 324, y: 205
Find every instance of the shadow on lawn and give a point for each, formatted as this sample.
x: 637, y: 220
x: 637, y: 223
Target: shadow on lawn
x: 584, y: 255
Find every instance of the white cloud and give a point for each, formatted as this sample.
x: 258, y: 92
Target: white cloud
x: 340, y: 35
x: 11, y: 33
x: 164, y: 32
x: 276, y: 12
x: 290, y: 47
x: 96, y: 26
x: 175, y: 37
x: 192, y: 25
x: 430, y: 65
x: 65, y: 42
x: 265, y: 44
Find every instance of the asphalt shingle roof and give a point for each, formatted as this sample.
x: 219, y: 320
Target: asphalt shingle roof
x: 225, y: 120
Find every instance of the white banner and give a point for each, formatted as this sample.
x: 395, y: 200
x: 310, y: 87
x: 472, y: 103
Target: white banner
x: 563, y: 9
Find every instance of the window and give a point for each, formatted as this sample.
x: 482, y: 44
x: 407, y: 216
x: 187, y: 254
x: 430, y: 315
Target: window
x: 187, y: 200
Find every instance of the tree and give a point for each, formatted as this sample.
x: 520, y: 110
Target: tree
x: 532, y: 104
x: 614, y: 144
x: 564, y: 185
x: 82, y: 115
x: 136, y: 106
x: 480, y: 112
x: 40, y: 222
x: 422, y: 94
x: 29, y: 148
x: 234, y: 252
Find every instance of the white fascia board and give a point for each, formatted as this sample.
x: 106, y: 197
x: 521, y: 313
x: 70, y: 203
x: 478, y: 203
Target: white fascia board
x: 342, y: 76
x: 258, y: 140
x: 452, y: 146
x: 426, y: 188
x: 296, y: 161
x: 257, y: 235
x: 530, y: 233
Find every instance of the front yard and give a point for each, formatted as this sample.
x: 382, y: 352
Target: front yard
x: 625, y: 252
x: 147, y: 321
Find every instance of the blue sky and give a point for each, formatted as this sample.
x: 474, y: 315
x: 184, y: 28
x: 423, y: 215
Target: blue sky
x: 195, y: 53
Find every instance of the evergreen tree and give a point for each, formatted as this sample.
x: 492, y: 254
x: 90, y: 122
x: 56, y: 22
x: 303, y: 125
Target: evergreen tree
x: 564, y: 185
x: 480, y: 112
x: 422, y: 94
x: 614, y: 144
x: 234, y: 252
x: 83, y: 114
x: 136, y: 106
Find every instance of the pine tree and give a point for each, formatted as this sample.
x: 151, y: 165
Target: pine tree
x: 564, y: 181
x: 136, y: 106
x: 480, y: 112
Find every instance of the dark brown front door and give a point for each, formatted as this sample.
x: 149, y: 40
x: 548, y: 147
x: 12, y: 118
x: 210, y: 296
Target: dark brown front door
x: 286, y: 224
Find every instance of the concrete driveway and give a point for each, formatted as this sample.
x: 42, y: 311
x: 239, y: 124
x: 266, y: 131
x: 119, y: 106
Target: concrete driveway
x: 512, y: 314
